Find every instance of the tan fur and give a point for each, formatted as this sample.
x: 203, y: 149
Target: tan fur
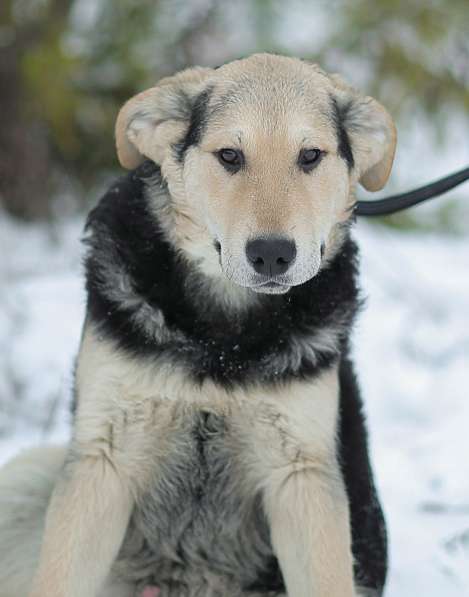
x: 143, y: 397
x: 270, y: 107
x: 88, y: 517
x: 271, y: 195
x: 304, y: 484
x: 132, y: 128
x: 125, y: 413
x: 374, y: 151
x: 26, y: 483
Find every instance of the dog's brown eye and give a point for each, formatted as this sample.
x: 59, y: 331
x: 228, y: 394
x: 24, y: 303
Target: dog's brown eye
x: 231, y: 159
x: 309, y: 158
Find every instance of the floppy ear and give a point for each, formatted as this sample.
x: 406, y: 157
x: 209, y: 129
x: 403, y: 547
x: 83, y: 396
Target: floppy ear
x: 149, y: 123
x: 371, y: 132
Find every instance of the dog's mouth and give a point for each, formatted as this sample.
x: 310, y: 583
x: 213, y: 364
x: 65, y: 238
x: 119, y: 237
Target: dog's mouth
x: 271, y: 287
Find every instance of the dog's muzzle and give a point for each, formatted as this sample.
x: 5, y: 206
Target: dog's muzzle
x: 268, y: 264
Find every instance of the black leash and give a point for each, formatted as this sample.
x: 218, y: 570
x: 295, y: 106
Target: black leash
x: 390, y: 205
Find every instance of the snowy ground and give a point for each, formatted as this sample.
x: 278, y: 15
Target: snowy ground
x: 411, y: 345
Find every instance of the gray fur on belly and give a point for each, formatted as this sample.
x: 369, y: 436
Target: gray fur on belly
x: 200, y: 529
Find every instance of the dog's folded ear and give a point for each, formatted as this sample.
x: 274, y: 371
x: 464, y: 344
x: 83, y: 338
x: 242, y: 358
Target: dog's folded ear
x: 371, y: 132
x: 149, y: 123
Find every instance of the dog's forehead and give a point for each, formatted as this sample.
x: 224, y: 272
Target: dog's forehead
x: 268, y: 67
x: 268, y: 80
x: 270, y: 92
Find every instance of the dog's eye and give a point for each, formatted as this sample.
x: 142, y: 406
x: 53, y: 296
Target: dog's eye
x: 231, y: 159
x: 309, y: 158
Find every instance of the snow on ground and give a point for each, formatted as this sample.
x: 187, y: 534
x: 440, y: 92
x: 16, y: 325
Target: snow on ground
x: 411, y: 348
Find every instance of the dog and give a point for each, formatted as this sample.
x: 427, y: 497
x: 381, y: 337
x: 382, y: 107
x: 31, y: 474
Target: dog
x: 219, y: 446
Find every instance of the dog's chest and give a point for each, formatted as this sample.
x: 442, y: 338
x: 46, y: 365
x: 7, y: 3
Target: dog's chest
x: 201, y: 521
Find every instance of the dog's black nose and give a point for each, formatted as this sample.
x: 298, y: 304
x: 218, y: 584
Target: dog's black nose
x: 271, y: 256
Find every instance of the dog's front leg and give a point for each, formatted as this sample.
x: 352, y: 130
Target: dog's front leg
x: 309, y: 519
x: 86, y: 522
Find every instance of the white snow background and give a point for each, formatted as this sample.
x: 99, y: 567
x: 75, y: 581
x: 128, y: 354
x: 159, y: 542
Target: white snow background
x: 411, y: 350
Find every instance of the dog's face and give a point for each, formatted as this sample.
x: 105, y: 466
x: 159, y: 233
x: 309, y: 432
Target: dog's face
x: 261, y: 157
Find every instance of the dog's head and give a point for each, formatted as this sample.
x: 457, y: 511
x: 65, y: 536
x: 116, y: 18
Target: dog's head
x: 261, y: 157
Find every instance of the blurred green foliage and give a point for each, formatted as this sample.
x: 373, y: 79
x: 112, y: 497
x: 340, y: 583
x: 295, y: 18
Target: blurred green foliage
x: 417, y: 51
x: 67, y: 65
